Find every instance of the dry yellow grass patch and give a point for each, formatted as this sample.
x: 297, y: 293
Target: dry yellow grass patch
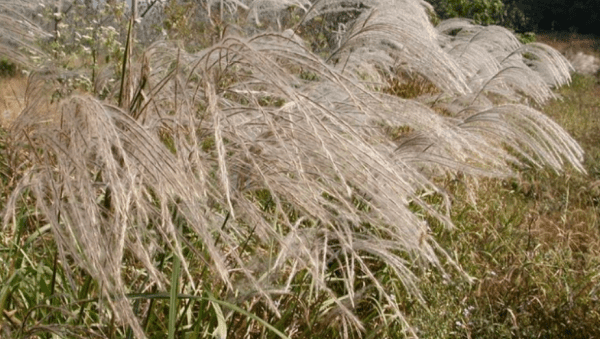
x: 12, y: 98
x: 565, y: 42
x: 583, y: 51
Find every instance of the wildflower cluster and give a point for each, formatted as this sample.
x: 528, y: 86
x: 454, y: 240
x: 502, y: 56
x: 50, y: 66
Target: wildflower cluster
x: 88, y: 38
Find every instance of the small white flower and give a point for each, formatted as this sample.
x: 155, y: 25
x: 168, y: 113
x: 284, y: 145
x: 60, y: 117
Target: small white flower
x: 467, y: 311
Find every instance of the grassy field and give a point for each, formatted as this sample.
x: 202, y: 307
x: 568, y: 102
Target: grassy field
x: 333, y: 173
x: 530, y: 245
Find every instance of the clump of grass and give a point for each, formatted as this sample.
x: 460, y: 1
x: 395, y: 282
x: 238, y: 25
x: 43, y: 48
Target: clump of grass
x: 578, y: 112
x: 410, y: 86
x: 530, y: 245
x: 254, y: 182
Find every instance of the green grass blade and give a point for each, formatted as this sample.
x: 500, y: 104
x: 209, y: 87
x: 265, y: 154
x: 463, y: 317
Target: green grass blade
x: 221, y: 332
x: 213, y: 300
x: 173, y: 296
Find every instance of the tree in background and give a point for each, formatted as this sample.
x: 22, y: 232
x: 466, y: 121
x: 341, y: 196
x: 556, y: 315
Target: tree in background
x: 484, y: 12
x: 581, y: 16
x: 522, y: 15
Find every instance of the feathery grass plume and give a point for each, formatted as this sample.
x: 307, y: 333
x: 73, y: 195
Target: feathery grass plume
x: 549, y: 63
x: 109, y: 186
x: 271, y: 129
x: 495, y: 62
x: 489, y: 59
x: 308, y: 143
x: 395, y: 33
x: 19, y: 31
x: 89, y: 181
x: 530, y: 133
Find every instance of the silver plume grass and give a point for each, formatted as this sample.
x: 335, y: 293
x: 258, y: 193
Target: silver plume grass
x: 209, y: 133
x: 495, y: 62
x: 19, y: 31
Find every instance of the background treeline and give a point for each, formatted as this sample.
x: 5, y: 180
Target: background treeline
x: 581, y: 16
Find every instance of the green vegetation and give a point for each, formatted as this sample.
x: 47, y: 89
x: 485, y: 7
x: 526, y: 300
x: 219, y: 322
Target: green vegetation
x: 7, y: 68
x: 484, y: 12
x: 578, y: 16
x: 335, y: 169
x: 549, y: 15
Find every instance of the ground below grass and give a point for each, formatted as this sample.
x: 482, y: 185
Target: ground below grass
x: 530, y: 244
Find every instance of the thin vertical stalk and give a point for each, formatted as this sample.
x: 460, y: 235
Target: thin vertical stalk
x: 173, y: 295
x: 128, y: 51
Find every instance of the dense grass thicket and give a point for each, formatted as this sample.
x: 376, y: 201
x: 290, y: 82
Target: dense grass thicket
x: 531, y: 243
x: 292, y: 169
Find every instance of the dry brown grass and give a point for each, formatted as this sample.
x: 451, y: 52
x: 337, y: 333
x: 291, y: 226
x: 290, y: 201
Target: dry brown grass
x: 12, y: 98
x: 563, y: 42
x: 583, y: 51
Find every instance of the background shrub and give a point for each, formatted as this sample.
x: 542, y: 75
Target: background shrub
x: 484, y: 12
x: 7, y: 68
x: 580, y: 16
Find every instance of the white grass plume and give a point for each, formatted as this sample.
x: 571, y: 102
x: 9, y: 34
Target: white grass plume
x: 19, y: 32
x: 398, y: 33
x: 494, y: 61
